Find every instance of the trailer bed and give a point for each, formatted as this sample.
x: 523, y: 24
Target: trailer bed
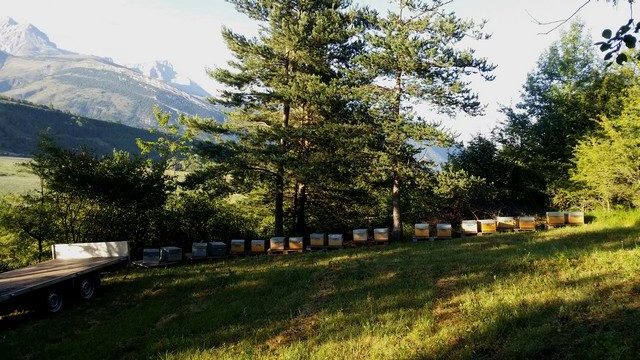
x: 22, y: 281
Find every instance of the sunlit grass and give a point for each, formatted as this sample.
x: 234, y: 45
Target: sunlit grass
x: 16, y: 179
x: 571, y: 292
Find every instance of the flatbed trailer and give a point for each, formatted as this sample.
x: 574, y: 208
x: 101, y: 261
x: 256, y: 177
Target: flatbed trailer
x: 73, y: 268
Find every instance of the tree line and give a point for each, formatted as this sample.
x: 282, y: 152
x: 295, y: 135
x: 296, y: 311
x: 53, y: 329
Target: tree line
x: 323, y: 134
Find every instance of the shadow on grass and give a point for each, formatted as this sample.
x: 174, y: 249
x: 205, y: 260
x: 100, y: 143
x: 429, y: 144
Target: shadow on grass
x: 265, y: 305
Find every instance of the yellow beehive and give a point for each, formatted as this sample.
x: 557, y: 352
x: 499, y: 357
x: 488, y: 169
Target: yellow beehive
x: 443, y: 231
x: 237, y: 247
x: 277, y: 243
x: 526, y: 223
x: 296, y: 243
x: 317, y: 240
x: 421, y: 231
x: 360, y: 235
x: 469, y: 227
x: 506, y: 223
x: 258, y: 246
x: 336, y: 240
x: 575, y: 218
x: 488, y: 226
x: 555, y: 218
x: 381, y: 235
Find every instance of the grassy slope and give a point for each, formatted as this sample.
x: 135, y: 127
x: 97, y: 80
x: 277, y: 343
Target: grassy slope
x: 15, y: 179
x: 563, y: 293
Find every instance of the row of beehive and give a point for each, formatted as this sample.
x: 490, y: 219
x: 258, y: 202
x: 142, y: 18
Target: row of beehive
x: 501, y: 223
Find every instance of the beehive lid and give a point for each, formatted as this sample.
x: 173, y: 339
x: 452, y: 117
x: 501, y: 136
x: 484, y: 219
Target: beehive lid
x: 218, y: 243
x: 317, y: 236
x: 422, y: 226
x: 444, y: 226
x: 199, y: 244
x: 171, y: 248
x: 381, y: 230
x: 360, y: 231
x: 335, y: 236
x: 469, y: 222
x: 237, y: 242
x: 575, y: 213
x: 487, y: 221
x: 505, y: 218
x: 527, y: 218
x: 257, y: 242
x: 296, y: 239
x: 277, y: 239
x: 555, y: 213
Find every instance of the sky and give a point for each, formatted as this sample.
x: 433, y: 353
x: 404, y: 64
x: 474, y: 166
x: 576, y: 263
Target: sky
x: 187, y: 33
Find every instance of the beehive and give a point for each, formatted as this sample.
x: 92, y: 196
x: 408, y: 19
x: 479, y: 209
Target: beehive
x: 526, y: 223
x: 469, y: 227
x: 360, y: 235
x: 199, y: 250
x: 506, y: 223
x: 488, y: 226
x: 421, y: 231
x: 336, y: 240
x: 296, y: 243
x: 219, y: 249
x: 275, y: 244
x: 575, y: 218
x: 258, y: 246
x: 381, y: 235
x: 237, y: 247
x: 317, y: 240
x: 443, y: 231
x: 555, y: 218
x: 150, y: 256
x: 170, y: 254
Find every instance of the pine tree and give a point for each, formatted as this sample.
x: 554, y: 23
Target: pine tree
x: 286, y: 89
x: 414, y: 55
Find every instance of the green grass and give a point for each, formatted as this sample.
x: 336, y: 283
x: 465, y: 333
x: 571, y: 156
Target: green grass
x: 564, y: 293
x: 15, y: 178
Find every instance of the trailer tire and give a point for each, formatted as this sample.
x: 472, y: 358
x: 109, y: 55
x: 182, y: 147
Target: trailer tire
x: 54, y: 301
x: 88, y: 287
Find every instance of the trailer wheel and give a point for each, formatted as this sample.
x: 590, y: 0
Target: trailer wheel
x: 55, y: 301
x: 88, y: 287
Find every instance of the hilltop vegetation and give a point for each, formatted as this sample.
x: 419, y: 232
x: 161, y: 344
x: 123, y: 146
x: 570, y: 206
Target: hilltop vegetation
x: 21, y: 124
x: 564, y: 293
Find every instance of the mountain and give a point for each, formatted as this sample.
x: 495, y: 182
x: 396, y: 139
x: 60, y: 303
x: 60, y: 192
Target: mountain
x: 32, y: 68
x: 163, y: 70
x: 21, y: 124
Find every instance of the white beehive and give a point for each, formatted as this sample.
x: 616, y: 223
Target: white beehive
x: 381, y: 235
x: 258, y: 246
x: 443, y: 231
x: 317, y: 240
x: 296, y: 243
x: 555, y: 218
x: 506, y: 223
x: 421, y: 231
x: 199, y: 250
x: 336, y: 240
x: 237, y: 247
x: 170, y: 254
x: 526, y: 223
x: 360, y: 235
x: 488, y: 226
x: 575, y: 218
x: 469, y: 227
x: 150, y: 256
x: 277, y: 243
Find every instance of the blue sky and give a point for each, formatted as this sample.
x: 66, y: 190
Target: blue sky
x: 187, y: 33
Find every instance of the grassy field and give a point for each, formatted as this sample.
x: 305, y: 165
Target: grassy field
x: 564, y: 293
x: 15, y: 178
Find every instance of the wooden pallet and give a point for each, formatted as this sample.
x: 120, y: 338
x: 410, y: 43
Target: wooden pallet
x: 155, y: 264
x: 423, y: 239
x: 283, y: 252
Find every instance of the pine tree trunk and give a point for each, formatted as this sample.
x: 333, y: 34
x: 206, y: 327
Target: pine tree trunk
x: 395, y: 191
x: 279, y: 203
x: 300, y: 216
x: 395, y: 200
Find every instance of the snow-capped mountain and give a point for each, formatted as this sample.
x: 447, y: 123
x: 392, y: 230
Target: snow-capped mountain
x: 163, y: 70
x: 33, y: 68
x: 25, y: 40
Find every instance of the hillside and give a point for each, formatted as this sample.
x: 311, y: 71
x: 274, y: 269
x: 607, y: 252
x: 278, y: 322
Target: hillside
x: 565, y: 293
x: 21, y: 123
x: 33, y: 68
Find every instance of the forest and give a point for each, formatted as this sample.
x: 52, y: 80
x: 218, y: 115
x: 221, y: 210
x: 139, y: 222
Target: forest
x: 322, y: 134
